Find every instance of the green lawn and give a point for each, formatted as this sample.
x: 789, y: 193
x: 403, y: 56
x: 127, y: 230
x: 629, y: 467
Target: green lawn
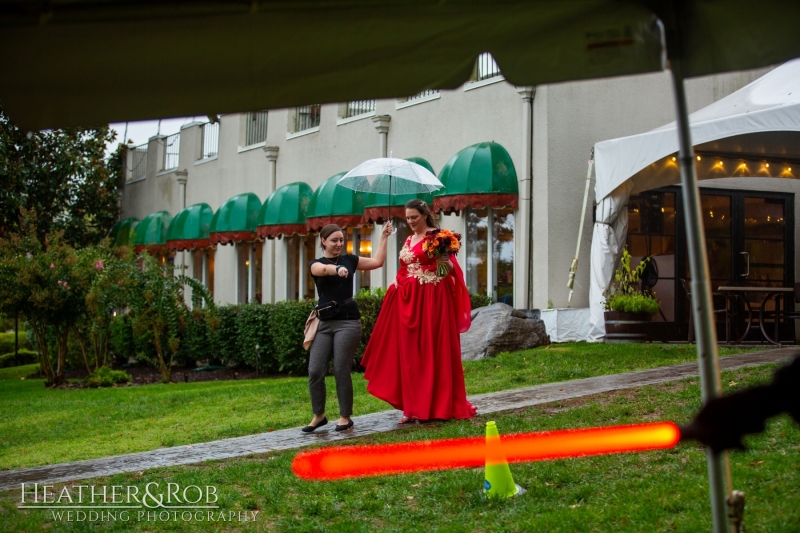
x: 652, y: 491
x: 40, y: 426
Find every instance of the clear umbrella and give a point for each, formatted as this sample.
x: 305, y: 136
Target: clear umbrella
x: 387, y: 175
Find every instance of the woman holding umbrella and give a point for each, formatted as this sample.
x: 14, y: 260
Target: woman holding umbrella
x: 413, y: 359
x: 339, y: 330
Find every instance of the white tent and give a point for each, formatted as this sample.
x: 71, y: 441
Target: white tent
x: 739, y: 135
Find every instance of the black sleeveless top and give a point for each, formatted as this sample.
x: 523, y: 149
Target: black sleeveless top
x: 335, y: 288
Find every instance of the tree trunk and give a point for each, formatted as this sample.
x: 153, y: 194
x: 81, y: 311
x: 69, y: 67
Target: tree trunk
x: 62, y: 336
x: 82, y: 343
x: 165, y: 371
x: 40, y: 331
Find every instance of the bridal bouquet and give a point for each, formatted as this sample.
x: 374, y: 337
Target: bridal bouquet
x: 441, y: 243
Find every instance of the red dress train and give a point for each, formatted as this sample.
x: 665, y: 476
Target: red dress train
x: 413, y: 359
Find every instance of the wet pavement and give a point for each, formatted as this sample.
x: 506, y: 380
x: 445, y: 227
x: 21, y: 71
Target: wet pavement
x: 368, y: 424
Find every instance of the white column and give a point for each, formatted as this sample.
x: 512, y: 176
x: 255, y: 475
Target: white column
x: 380, y: 276
x: 268, y: 271
x: 180, y: 259
x: 523, y: 236
x: 301, y: 288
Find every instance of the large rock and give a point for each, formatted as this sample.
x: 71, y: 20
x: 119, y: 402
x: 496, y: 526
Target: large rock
x: 501, y: 328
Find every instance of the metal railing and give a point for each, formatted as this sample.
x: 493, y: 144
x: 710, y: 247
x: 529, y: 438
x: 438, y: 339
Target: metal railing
x: 210, y: 140
x: 306, y: 117
x: 172, y: 147
x: 359, y: 107
x: 421, y: 95
x: 486, y: 67
x: 255, y: 128
x: 139, y: 161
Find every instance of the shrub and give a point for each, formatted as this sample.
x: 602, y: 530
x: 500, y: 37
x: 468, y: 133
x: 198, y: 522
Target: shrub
x: 369, y: 305
x: 633, y: 303
x: 225, y: 341
x: 196, y: 339
x: 122, y: 343
x: 7, y: 340
x: 26, y: 357
x: 105, y: 377
x: 480, y: 300
x: 286, y: 324
x: 252, y: 323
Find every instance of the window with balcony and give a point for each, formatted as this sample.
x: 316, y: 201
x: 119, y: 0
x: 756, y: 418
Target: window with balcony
x: 305, y: 118
x: 359, y: 107
x: 486, y: 67
x: 139, y: 161
x: 210, y: 140
x: 172, y: 147
x: 255, y: 129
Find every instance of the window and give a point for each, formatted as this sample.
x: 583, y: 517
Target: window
x: 210, y: 140
x: 299, y: 283
x: 255, y: 128
x: 480, y: 270
x: 248, y: 274
x: 306, y: 117
x: 172, y: 147
x: 203, y: 268
x: 361, y: 241
x: 359, y: 107
x: 485, y: 67
x: 139, y: 163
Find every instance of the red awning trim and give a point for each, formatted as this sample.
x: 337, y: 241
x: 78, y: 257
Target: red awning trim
x: 377, y: 215
x: 277, y: 230
x: 317, y: 223
x: 230, y: 237
x: 188, y: 244
x: 459, y: 202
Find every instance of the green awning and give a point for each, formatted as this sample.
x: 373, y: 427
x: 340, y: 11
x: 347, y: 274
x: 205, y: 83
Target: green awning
x: 284, y: 212
x: 120, y: 233
x: 478, y: 176
x: 334, y: 204
x: 189, y: 229
x: 235, y: 221
x: 376, y: 205
x: 151, y: 232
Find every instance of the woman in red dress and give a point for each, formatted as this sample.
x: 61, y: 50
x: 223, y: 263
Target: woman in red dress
x: 413, y: 359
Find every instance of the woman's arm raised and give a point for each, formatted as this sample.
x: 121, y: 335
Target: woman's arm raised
x: 371, y: 263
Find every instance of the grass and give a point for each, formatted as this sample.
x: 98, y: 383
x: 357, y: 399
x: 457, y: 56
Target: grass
x: 40, y: 426
x: 653, y: 491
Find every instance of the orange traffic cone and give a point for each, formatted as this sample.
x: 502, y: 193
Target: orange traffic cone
x: 498, y: 481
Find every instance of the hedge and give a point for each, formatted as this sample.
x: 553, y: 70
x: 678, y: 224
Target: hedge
x: 277, y: 330
x: 7, y: 341
x: 26, y: 357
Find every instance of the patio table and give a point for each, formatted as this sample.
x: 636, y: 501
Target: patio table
x: 769, y: 292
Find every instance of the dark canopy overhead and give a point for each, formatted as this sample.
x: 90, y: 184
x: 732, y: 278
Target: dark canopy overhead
x: 85, y: 62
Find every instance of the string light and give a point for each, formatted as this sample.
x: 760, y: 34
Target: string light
x: 673, y: 158
x: 767, y: 165
x: 698, y: 158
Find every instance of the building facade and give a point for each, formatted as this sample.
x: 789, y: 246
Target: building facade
x: 547, y: 131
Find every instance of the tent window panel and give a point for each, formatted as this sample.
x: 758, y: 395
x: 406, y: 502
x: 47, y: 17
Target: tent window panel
x: 716, y: 215
x: 764, y: 218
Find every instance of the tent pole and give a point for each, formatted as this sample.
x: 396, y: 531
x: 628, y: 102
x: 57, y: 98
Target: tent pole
x: 707, y: 353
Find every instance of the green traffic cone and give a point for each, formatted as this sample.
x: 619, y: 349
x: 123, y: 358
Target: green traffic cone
x: 498, y: 481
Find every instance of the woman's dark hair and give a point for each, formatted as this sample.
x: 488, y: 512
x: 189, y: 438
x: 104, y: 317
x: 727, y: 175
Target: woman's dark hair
x: 424, y: 210
x: 327, y: 231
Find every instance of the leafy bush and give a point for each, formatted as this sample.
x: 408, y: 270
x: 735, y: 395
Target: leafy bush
x: 105, y: 377
x: 196, y: 339
x: 26, y: 357
x: 480, y: 300
x: 633, y: 303
x: 286, y: 324
x: 7, y: 340
x: 369, y: 305
x: 225, y: 341
x: 252, y: 323
x: 122, y: 343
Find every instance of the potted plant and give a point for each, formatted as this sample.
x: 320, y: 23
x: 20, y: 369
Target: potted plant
x: 628, y: 308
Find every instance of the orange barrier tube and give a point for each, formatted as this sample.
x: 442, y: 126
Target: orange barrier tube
x: 342, y: 462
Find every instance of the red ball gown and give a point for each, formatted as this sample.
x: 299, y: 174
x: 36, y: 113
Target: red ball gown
x: 413, y: 359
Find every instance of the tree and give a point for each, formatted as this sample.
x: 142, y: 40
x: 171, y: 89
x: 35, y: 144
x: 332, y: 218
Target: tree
x: 64, y: 176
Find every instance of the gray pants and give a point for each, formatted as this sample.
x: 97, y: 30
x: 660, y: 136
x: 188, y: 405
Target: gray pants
x: 341, y: 338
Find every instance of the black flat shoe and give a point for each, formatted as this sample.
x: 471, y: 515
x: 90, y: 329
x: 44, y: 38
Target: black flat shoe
x: 344, y: 427
x: 310, y: 429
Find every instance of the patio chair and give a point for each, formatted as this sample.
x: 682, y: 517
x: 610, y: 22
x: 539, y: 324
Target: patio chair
x: 795, y: 315
x: 715, y: 297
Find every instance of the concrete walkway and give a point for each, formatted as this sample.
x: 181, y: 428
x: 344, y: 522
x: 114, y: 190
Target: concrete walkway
x: 368, y: 424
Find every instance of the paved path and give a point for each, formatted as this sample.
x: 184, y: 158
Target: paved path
x: 367, y: 424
